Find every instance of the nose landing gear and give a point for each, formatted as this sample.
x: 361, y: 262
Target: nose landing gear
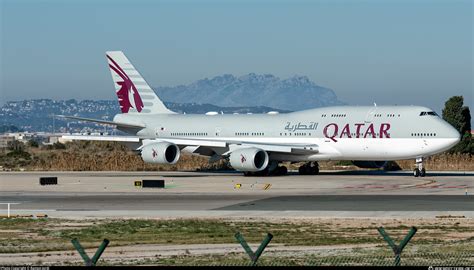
x: 419, y: 170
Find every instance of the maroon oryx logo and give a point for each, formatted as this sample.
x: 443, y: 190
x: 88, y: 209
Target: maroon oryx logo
x: 242, y: 158
x: 127, y: 88
x: 154, y: 154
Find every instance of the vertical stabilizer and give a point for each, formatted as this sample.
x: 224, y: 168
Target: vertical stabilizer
x: 133, y: 92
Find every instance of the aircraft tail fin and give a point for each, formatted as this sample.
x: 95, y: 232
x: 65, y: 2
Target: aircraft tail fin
x: 133, y: 92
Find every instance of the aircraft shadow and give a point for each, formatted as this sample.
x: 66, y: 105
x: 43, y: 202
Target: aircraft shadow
x: 385, y: 173
x: 400, y: 173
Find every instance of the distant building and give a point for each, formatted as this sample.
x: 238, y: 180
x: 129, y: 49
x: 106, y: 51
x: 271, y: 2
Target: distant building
x: 23, y: 137
x: 5, y: 140
x: 53, y: 138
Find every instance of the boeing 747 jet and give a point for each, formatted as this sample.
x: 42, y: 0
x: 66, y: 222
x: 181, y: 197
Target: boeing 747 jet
x: 256, y: 144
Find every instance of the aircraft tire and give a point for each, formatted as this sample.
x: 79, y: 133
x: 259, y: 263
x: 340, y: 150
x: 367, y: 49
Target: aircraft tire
x: 315, y: 170
x: 282, y: 170
x: 416, y: 172
x: 302, y: 170
x: 422, y: 172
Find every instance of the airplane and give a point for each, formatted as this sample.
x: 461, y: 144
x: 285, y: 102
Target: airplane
x: 257, y: 144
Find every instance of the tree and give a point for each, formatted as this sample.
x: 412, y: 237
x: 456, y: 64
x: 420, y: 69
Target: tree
x: 33, y: 143
x: 459, y: 116
x: 58, y: 145
x: 15, y: 146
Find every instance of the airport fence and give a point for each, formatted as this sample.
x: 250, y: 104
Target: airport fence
x: 414, y: 259
x: 281, y: 258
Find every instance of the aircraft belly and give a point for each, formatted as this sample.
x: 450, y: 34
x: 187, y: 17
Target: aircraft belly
x: 386, y: 149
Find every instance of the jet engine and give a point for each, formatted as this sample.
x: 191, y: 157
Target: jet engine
x: 369, y: 164
x: 249, y: 159
x: 160, y: 153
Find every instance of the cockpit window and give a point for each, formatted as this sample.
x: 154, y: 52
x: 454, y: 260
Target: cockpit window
x: 428, y: 113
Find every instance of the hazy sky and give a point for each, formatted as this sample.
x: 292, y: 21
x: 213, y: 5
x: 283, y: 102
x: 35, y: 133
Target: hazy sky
x: 390, y: 52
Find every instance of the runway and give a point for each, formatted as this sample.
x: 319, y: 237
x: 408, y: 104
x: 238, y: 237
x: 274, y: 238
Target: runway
x: 191, y: 194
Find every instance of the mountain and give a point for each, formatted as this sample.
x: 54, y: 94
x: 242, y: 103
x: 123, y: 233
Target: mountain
x: 36, y: 115
x: 8, y: 128
x: 204, y: 108
x: 295, y: 93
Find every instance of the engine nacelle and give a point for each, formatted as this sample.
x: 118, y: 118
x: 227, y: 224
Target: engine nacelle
x: 160, y: 153
x: 249, y: 159
x: 369, y: 164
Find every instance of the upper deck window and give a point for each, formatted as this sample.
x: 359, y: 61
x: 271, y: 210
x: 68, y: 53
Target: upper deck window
x: 428, y: 113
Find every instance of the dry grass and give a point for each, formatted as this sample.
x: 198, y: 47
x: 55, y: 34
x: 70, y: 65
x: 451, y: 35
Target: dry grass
x: 452, y: 235
x: 443, y: 162
x: 108, y: 156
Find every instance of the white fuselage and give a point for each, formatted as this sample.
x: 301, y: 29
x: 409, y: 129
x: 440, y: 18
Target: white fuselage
x: 341, y: 133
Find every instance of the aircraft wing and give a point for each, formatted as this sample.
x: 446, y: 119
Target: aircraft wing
x: 224, y: 146
x: 231, y: 145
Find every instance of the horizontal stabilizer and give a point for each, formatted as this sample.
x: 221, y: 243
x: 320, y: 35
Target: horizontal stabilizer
x: 125, y: 125
x: 101, y: 138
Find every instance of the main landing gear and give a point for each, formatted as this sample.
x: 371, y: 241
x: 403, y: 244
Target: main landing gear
x: 419, y: 170
x: 273, y: 169
x: 309, y: 168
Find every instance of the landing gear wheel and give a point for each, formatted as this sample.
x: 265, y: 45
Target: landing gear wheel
x: 420, y: 170
x: 302, y: 170
x: 315, y: 170
x: 280, y: 170
x: 423, y: 172
x: 416, y: 172
x: 310, y: 168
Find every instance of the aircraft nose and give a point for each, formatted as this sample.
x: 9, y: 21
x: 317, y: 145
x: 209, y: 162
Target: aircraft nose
x: 453, y: 135
x: 456, y: 134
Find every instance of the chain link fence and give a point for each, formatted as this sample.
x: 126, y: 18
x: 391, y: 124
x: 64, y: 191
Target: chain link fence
x: 416, y: 259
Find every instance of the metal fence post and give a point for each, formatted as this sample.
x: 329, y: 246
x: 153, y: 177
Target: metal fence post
x: 81, y: 251
x: 254, y: 256
x: 85, y: 257
x: 244, y: 244
x: 99, y: 251
x: 397, y: 249
x: 262, y: 246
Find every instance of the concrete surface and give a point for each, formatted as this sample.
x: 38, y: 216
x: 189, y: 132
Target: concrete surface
x: 192, y: 194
